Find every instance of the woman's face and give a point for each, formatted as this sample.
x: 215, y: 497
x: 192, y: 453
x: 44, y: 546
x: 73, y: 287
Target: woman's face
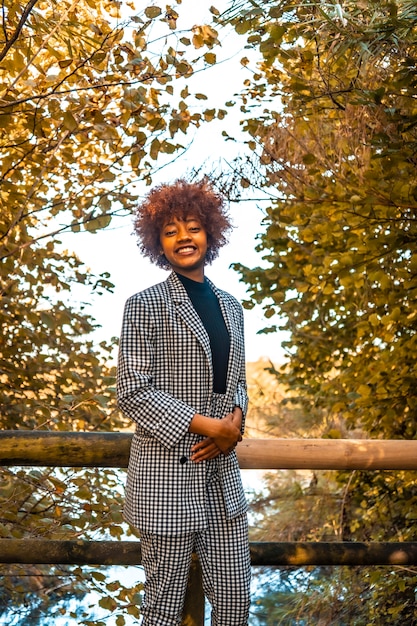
x: 184, y: 243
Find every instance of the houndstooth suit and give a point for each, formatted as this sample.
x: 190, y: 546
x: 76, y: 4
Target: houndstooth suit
x: 165, y: 376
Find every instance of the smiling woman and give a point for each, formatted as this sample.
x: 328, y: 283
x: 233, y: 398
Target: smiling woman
x: 181, y: 379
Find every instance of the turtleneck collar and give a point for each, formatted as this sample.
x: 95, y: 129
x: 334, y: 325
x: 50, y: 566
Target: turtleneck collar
x: 194, y: 286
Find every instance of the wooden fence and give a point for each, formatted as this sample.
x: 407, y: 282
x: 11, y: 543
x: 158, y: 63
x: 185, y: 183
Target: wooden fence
x: 34, y: 448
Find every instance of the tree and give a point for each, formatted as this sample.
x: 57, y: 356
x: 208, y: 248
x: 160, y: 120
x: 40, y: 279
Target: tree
x: 85, y: 110
x: 88, y: 110
x: 336, y: 149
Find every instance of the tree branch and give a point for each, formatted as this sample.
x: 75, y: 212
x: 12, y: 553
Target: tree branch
x: 18, y: 30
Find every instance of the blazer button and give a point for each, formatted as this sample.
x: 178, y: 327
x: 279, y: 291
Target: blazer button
x: 183, y: 460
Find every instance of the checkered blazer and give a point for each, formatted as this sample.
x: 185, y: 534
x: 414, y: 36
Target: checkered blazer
x: 164, y: 377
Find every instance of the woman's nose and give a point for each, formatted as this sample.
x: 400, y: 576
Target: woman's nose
x: 182, y: 233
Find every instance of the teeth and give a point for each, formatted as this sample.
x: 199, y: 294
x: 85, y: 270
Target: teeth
x: 189, y: 249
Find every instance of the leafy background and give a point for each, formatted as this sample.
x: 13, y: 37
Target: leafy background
x: 97, y: 97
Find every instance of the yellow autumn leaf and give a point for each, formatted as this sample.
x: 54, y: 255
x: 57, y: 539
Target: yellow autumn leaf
x: 152, y: 12
x: 364, y: 391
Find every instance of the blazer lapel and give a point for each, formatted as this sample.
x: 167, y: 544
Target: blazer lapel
x: 189, y: 315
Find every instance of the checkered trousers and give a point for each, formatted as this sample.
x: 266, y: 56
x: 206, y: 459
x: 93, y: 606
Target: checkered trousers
x: 165, y: 376
x: 223, y: 551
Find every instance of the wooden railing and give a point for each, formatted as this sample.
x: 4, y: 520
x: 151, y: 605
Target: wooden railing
x: 34, y: 448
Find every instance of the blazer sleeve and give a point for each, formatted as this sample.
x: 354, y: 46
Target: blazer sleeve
x: 241, y: 393
x: 164, y: 417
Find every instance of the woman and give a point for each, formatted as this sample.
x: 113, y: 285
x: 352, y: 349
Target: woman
x: 181, y: 378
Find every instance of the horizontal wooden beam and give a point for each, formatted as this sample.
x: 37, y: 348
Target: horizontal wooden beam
x: 81, y: 449
x: 64, y: 449
x: 334, y: 553
x: 70, y: 552
x: 262, y: 554
x: 329, y: 454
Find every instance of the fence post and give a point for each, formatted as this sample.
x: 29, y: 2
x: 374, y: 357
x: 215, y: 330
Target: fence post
x: 193, y: 614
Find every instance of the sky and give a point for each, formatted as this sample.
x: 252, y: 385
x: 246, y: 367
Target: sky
x: 114, y: 250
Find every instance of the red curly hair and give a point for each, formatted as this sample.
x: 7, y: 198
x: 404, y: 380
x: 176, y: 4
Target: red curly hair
x: 181, y: 200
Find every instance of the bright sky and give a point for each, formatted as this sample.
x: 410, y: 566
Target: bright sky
x: 115, y: 250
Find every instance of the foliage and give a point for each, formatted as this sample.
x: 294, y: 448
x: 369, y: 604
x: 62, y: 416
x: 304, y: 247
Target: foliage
x: 287, y: 596
x: 85, y: 109
x: 336, y: 149
x: 88, y: 111
x: 294, y: 506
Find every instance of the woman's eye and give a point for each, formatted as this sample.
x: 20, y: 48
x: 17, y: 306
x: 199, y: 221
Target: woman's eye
x: 194, y: 229
x: 169, y: 233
